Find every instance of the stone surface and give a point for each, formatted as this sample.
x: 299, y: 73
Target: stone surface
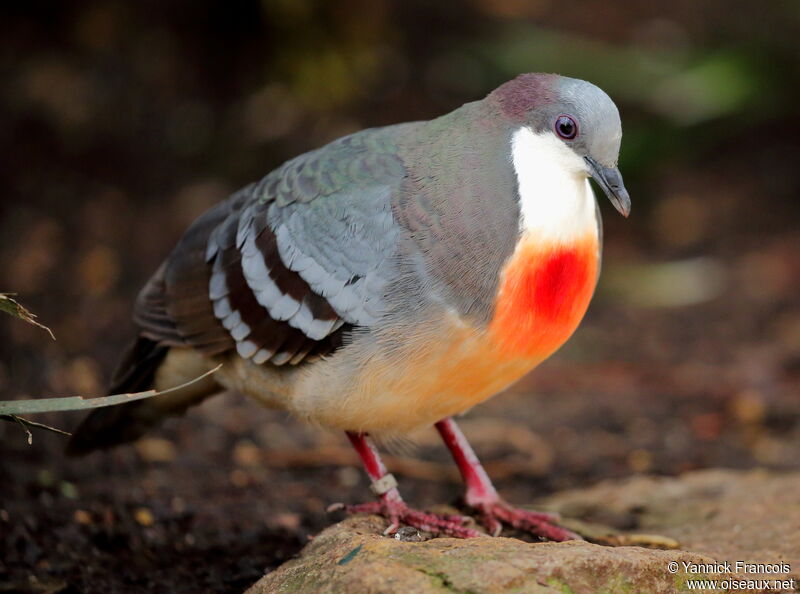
x: 714, y: 515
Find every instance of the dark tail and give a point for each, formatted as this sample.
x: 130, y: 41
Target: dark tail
x: 113, y: 425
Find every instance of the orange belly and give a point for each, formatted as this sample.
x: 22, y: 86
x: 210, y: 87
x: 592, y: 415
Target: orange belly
x: 444, y: 368
x: 544, y: 292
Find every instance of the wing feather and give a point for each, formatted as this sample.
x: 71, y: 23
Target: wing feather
x: 285, y: 267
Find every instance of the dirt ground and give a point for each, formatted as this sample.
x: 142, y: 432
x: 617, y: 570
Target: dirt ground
x: 689, y: 356
x: 212, y: 501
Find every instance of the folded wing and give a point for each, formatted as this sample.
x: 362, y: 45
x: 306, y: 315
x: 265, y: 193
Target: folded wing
x: 285, y: 267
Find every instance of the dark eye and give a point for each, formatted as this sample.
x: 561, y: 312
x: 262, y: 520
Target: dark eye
x: 566, y: 127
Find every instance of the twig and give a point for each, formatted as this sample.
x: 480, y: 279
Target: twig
x: 28, y: 423
x: 24, y: 428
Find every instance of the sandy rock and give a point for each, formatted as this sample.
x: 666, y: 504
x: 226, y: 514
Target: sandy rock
x: 715, y: 516
x: 724, y: 514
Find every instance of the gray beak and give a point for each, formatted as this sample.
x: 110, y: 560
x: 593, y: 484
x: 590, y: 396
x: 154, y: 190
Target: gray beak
x: 610, y: 179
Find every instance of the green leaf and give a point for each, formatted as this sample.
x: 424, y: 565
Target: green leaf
x: 350, y: 556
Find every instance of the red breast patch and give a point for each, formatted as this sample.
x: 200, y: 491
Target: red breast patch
x: 544, y: 292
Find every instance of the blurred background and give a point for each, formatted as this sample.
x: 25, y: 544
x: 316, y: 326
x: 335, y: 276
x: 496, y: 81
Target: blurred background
x: 121, y: 122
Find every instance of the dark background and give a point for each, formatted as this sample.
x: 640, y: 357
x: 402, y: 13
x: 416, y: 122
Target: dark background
x: 120, y: 122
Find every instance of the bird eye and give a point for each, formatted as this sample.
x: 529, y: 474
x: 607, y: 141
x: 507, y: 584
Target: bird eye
x: 566, y: 127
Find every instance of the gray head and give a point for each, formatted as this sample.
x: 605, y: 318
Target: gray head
x: 578, y: 114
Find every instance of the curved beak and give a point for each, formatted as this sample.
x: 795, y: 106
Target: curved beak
x: 610, y: 179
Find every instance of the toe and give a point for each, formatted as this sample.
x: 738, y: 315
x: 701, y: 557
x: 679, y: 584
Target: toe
x: 371, y: 507
x: 546, y: 530
x: 541, y: 516
x: 537, y: 523
x: 450, y: 525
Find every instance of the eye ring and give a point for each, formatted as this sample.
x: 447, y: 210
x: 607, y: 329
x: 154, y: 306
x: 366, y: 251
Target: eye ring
x: 566, y: 127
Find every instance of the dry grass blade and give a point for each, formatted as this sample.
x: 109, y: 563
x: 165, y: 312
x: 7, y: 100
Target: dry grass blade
x: 26, y: 423
x: 42, y: 405
x: 13, y: 307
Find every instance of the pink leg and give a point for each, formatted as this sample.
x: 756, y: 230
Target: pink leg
x: 482, y: 496
x: 390, y: 504
x: 371, y: 458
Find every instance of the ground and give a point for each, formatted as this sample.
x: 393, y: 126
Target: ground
x: 211, y: 501
x: 121, y: 122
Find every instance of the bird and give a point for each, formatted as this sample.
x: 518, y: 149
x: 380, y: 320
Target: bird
x: 389, y: 281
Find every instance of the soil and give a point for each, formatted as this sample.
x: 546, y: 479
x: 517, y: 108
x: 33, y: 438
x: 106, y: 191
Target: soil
x: 211, y: 501
x: 689, y: 357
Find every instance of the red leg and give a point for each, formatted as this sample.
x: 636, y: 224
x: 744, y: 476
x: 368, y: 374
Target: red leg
x: 482, y: 496
x: 371, y: 458
x: 390, y: 504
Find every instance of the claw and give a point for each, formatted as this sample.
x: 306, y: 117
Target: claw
x: 391, y: 529
x: 493, y: 526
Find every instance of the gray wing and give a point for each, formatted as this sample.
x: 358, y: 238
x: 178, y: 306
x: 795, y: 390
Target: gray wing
x: 282, y: 268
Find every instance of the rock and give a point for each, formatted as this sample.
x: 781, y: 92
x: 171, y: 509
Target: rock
x: 724, y: 514
x: 716, y: 516
x: 352, y: 557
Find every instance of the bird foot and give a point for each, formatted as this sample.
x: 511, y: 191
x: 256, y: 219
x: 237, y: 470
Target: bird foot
x: 494, y: 514
x: 399, y: 514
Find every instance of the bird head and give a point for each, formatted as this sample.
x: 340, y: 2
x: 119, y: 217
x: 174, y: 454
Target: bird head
x: 580, y: 119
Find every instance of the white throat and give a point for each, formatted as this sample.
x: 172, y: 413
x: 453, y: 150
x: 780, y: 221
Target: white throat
x: 556, y: 200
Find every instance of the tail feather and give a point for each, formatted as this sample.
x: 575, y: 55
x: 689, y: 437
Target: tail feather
x: 114, y: 425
